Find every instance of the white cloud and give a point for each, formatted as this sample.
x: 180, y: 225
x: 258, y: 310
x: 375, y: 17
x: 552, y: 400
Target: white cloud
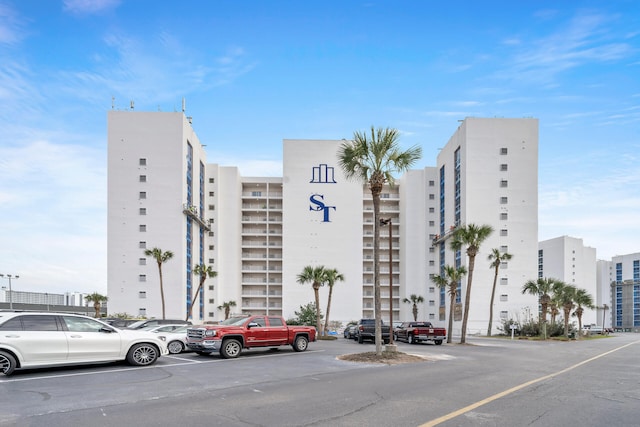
x: 89, y: 7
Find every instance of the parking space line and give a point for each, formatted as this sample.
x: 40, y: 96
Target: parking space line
x: 127, y: 369
x: 497, y: 396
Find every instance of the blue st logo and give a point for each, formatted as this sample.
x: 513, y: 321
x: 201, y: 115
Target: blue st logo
x: 318, y: 201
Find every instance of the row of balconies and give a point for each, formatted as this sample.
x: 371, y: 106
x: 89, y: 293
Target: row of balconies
x: 262, y: 219
x: 261, y: 243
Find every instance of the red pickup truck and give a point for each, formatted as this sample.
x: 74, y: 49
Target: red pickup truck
x: 233, y: 335
x: 415, y: 332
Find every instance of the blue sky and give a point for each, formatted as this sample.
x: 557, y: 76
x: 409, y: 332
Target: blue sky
x: 256, y: 72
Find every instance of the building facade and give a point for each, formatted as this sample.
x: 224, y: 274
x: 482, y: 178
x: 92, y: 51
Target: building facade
x: 620, y: 277
x: 259, y: 233
x: 567, y: 259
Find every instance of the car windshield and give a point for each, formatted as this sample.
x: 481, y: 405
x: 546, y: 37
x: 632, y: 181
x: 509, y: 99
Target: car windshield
x: 234, y: 321
x: 136, y: 325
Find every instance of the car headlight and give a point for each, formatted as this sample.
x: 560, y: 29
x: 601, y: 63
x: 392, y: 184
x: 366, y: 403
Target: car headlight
x: 210, y: 333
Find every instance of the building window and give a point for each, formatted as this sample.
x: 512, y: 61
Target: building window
x: 212, y: 193
x: 210, y: 287
x: 432, y: 289
x: 503, y: 151
x: 143, y: 211
x: 504, y: 297
x: 211, y: 180
x: 504, y: 232
x: 504, y: 315
x: 143, y: 195
x: 432, y: 262
x: 143, y: 162
x: 142, y: 261
x: 142, y: 245
x: 432, y: 223
x: 211, y: 314
x: 432, y: 210
x: 504, y: 281
x: 142, y: 294
x: 432, y: 183
x: 211, y: 301
x: 384, y: 195
x: 143, y: 178
x: 142, y: 312
x: 504, y: 216
x: 212, y: 261
x: 432, y: 196
x: 432, y: 303
x: 504, y: 167
x: 211, y: 247
x: 432, y: 249
x: 256, y: 194
x: 143, y: 228
x: 212, y: 207
x: 142, y: 278
x: 504, y: 183
x: 211, y: 234
x: 504, y: 248
x: 432, y: 316
x: 504, y: 200
x: 504, y: 265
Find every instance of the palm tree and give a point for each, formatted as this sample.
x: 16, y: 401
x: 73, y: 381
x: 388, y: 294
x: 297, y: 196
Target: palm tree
x: 542, y: 288
x: 317, y: 277
x: 97, y: 300
x: 449, y: 279
x: 160, y: 257
x: 331, y: 277
x: 415, y: 300
x: 226, y: 306
x: 373, y: 159
x: 582, y: 299
x: 203, y: 271
x: 496, y: 257
x: 565, y: 294
x: 472, y: 237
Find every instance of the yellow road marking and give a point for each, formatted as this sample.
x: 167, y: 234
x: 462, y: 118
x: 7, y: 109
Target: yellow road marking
x: 489, y: 399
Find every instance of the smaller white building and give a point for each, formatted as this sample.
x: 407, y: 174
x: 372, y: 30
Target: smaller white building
x: 569, y: 260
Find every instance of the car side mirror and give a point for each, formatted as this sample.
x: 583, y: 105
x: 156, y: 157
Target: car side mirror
x: 252, y: 325
x: 107, y: 329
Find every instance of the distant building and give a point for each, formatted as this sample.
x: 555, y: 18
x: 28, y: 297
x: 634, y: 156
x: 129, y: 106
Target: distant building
x: 567, y: 259
x: 621, y: 276
x: 258, y: 233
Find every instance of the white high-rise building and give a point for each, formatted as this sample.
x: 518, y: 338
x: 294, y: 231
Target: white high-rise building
x: 567, y: 259
x: 258, y: 234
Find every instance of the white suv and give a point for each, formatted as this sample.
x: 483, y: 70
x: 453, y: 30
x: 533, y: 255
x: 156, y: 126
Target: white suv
x: 32, y: 339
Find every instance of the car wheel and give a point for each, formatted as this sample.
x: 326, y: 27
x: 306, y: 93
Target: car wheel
x: 142, y: 354
x: 175, y: 347
x: 438, y: 342
x: 7, y: 363
x: 301, y: 343
x: 410, y: 339
x: 231, y: 349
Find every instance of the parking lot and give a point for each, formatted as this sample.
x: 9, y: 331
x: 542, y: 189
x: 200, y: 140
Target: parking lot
x: 277, y: 388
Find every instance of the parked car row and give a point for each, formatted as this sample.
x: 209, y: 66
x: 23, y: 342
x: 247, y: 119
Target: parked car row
x: 36, y: 339
x: 410, y: 332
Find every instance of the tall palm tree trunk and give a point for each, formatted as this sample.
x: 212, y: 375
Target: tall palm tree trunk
x: 326, y: 316
x: 316, y: 294
x: 375, y: 194
x: 195, y: 297
x: 493, y: 296
x: 450, y: 331
x: 467, y: 299
x: 161, y: 290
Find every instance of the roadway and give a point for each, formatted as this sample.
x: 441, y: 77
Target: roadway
x: 488, y: 382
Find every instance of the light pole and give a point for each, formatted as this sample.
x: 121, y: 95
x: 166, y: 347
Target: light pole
x: 388, y: 222
x: 604, y: 313
x: 10, y: 276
